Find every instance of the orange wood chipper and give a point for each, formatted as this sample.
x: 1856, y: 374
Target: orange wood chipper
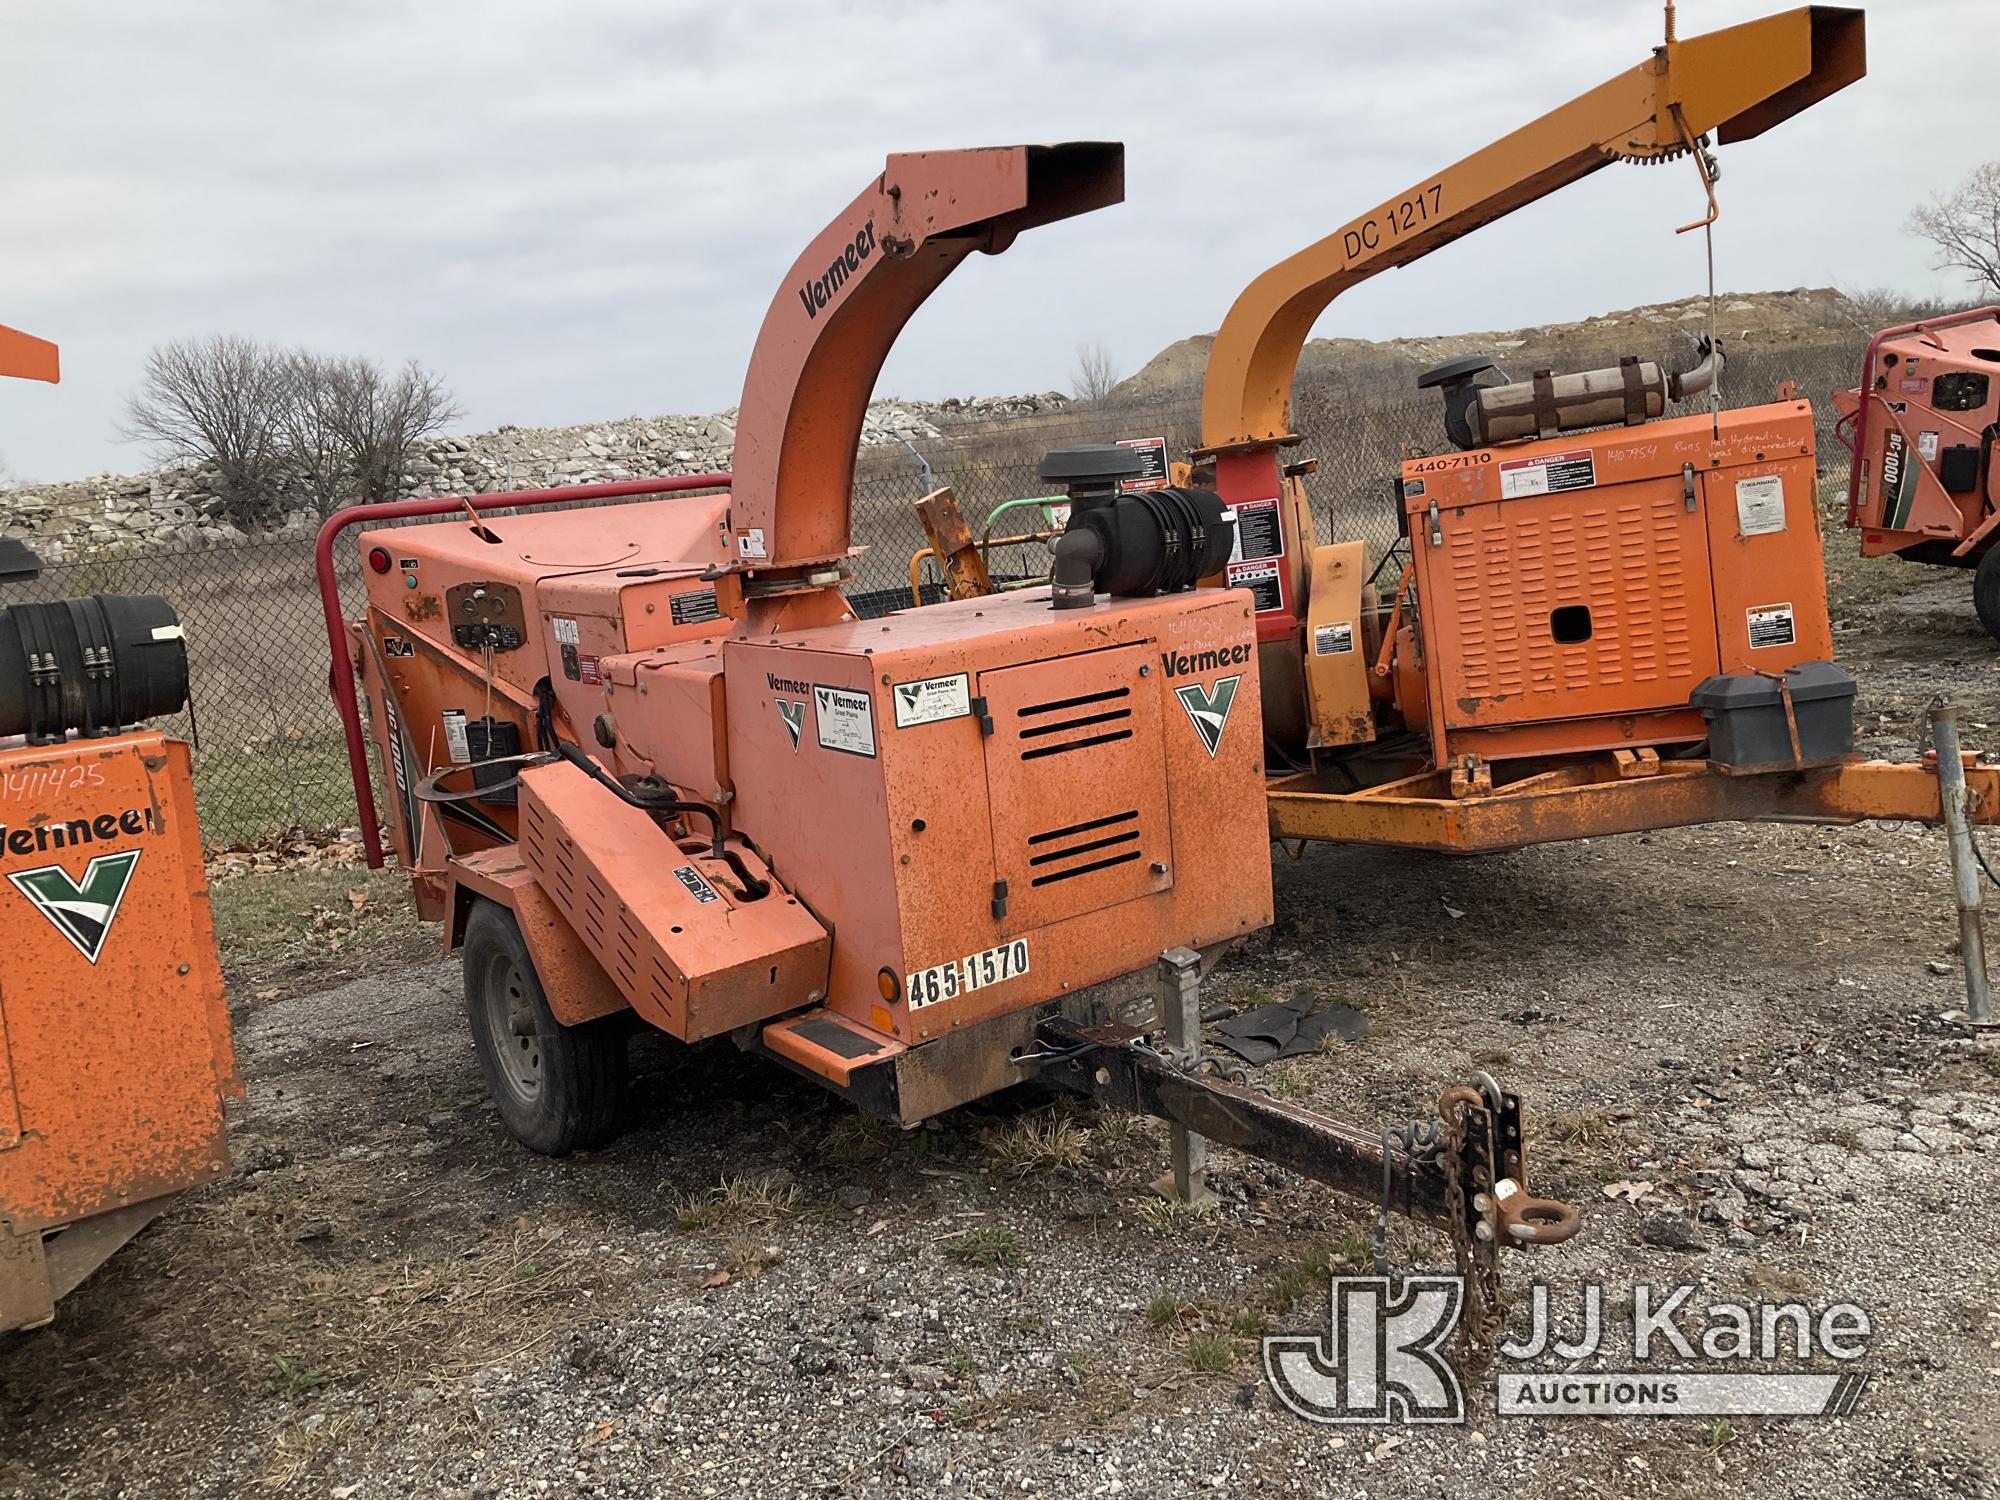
x: 647, y: 762
x: 115, y: 1053
x: 1923, y: 485
x: 1601, y: 617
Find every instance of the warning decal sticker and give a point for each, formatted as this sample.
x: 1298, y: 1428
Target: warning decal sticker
x: 845, y: 720
x: 1548, y: 476
x: 1258, y: 532
x: 1153, y: 453
x: 454, y: 737
x: 696, y: 887
x: 1333, y: 640
x: 1771, y: 625
x: 693, y: 607
x: 1261, y: 578
x: 1760, y: 505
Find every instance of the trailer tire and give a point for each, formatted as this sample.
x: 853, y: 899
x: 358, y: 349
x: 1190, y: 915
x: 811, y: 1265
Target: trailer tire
x: 558, y: 1088
x: 1986, y: 591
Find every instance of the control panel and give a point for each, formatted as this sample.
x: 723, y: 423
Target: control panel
x: 485, y: 615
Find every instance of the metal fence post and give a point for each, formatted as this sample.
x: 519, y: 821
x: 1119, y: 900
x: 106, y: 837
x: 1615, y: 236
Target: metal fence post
x: 1180, y: 1008
x: 1964, y: 863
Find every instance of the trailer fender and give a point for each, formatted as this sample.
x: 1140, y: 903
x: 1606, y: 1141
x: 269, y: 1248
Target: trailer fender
x: 573, y: 981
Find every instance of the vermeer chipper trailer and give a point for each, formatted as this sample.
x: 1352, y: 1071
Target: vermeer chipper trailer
x: 1601, y: 616
x: 646, y: 759
x: 115, y: 1054
x: 1924, y: 485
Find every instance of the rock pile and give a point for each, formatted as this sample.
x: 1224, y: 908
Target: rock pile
x: 181, y: 508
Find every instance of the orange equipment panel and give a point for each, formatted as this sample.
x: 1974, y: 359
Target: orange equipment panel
x: 992, y: 802
x: 1573, y: 591
x: 668, y: 924
x: 117, y: 1051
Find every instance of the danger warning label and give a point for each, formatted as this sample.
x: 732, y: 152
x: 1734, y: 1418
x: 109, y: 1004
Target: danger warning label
x: 1261, y: 578
x: 1771, y: 625
x: 1549, y: 475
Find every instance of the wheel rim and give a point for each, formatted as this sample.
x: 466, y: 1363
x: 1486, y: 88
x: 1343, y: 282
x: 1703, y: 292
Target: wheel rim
x: 510, y: 1023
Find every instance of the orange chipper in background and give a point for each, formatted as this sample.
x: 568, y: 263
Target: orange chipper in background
x: 115, y: 1052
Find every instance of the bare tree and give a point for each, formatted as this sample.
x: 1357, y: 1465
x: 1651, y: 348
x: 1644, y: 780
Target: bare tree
x: 378, y: 419
x: 317, y: 453
x: 1964, y: 224
x: 1096, y: 374
x: 216, y: 401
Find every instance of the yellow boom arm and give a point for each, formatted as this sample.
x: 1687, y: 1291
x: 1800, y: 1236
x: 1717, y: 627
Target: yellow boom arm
x: 1737, y: 82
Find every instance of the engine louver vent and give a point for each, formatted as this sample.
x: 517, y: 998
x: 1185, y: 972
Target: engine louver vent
x: 1093, y: 719
x: 1084, y: 848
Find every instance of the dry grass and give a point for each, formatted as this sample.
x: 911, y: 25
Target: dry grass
x: 298, y: 1448
x: 1048, y: 1141
x: 1170, y: 1215
x: 737, y: 1202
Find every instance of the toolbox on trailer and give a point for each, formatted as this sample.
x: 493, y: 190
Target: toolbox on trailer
x: 1751, y: 728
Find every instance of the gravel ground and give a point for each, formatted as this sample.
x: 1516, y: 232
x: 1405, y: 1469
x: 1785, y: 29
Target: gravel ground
x: 1731, y: 1044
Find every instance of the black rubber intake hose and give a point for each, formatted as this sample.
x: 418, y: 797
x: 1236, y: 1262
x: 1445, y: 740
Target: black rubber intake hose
x: 95, y: 665
x: 1073, y: 577
x: 1141, y: 542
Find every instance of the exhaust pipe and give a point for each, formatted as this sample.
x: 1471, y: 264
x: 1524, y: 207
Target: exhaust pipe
x: 1483, y: 407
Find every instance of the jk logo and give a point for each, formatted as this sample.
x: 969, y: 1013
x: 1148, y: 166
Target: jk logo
x: 1379, y: 1359
x: 84, y: 912
x: 794, y: 715
x: 1209, y: 711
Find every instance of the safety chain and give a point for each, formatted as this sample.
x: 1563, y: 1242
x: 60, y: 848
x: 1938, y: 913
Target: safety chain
x: 1193, y: 1067
x: 1477, y: 1255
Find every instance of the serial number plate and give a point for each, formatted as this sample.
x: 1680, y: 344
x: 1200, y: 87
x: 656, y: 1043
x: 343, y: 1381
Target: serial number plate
x: 976, y: 971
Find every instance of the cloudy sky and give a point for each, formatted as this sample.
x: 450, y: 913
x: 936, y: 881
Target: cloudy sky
x: 581, y: 210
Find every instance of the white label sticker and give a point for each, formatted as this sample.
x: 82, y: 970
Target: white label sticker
x: 1261, y: 578
x: 976, y: 971
x: 691, y: 881
x: 1927, y: 446
x: 1059, y: 514
x: 1333, y: 640
x: 454, y: 737
x: 1548, y: 476
x: 932, y: 700
x: 1771, y: 625
x: 563, y: 629
x: 751, y: 543
x: 845, y: 720
x: 1259, y: 532
x: 1760, y: 505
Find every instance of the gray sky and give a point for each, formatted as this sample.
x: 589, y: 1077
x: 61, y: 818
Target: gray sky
x: 580, y: 211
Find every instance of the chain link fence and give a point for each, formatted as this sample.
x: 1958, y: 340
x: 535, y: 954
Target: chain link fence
x: 269, y: 755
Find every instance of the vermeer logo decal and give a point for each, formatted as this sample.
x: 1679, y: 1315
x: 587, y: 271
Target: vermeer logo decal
x: 1209, y: 711
x: 82, y: 912
x: 815, y: 294
x: 793, y: 712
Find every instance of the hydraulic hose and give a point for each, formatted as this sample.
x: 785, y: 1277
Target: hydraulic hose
x: 752, y: 889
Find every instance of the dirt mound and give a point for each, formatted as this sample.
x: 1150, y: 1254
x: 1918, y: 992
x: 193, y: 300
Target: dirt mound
x: 1748, y: 320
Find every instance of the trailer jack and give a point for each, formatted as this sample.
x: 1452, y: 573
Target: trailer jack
x: 1463, y: 1172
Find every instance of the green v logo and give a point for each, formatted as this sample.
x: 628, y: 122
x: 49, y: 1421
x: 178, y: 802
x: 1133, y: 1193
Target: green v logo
x: 793, y: 712
x: 1209, y: 711
x: 82, y: 913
